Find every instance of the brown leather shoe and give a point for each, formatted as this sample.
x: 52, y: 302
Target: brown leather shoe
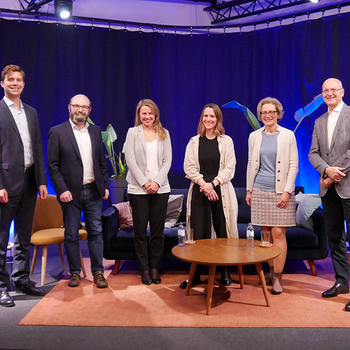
x: 100, y: 280
x: 74, y: 280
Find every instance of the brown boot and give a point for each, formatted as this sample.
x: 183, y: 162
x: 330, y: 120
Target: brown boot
x: 277, y: 284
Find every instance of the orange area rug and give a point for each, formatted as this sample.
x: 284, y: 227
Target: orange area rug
x: 128, y: 303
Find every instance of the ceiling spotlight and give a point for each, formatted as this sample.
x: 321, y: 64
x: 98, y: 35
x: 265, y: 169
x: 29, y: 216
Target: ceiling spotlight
x: 314, y: 1
x: 63, y: 8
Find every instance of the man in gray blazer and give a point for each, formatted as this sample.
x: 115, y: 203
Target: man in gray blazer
x: 330, y: 156
x: 78, y: 172
x: 22, y: 175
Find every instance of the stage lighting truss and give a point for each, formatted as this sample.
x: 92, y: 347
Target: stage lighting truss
x: 230, y: 10
x: 63, y: 8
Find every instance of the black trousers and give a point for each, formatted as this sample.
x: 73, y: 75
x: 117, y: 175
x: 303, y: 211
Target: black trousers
x: 202, y: 210
x: 336, y: 210
x: 20, y: 209
x: 150, y: 208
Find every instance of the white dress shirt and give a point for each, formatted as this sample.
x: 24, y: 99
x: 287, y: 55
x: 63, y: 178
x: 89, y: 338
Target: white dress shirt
x: 19, y: 115
x: 332, y: 121
x: 84, y: 144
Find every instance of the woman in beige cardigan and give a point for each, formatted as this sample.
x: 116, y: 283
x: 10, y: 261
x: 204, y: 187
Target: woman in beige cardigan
x: 210, y: 164
x: 271, y: 172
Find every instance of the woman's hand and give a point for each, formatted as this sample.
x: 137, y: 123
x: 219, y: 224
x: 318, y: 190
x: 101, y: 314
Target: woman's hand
x: 212, y: 196
x: 151, y: 187
x: 248, y: 198
x: 206, y: 188
x: 284, y: 200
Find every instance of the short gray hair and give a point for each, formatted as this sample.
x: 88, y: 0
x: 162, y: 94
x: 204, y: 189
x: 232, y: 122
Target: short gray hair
x: 273, y: 101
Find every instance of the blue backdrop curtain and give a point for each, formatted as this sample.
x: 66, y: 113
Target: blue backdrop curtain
x: 116, y: 69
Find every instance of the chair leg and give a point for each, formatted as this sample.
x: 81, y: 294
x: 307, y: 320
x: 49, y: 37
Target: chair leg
x: 35, y: 255
x: 116, y: 267
x: 312, y: 267
x: 82, y: 265
x: 43, y: 264
x: 60, y: 247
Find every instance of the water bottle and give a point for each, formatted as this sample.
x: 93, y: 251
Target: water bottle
x: 181, y: 236
x: 250, y: 236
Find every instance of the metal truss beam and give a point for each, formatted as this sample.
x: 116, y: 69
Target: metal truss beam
x: 243, y: 8
x: 33, y: 4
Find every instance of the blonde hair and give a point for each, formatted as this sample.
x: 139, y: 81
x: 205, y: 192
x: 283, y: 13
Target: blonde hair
x: 219, y: 129
x: 273, y: 101
x: 157, y: 126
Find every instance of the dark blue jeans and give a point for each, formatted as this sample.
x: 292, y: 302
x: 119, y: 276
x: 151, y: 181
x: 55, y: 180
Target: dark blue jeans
x: 90, y: 203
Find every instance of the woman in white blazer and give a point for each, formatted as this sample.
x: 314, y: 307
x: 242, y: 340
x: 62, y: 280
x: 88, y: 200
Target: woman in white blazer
x: 210, y: 164
x: 148, y: 156
x: 271, y: 172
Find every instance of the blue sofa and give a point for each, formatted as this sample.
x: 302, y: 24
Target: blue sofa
x: 303, y: 243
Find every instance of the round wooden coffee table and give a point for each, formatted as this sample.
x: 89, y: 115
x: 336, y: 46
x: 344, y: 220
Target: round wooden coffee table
x: 225, y: 252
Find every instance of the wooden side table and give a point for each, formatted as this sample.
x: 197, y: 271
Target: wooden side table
x: 225, y: 252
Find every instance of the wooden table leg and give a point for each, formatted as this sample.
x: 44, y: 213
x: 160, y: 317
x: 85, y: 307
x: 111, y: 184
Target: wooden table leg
x: 262, y: 282
x: 212, y: 269
x: 240, y: 275
x: 190, y: 278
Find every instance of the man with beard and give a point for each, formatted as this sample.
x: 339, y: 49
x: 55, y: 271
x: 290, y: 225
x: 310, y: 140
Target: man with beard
x: 79, y: 174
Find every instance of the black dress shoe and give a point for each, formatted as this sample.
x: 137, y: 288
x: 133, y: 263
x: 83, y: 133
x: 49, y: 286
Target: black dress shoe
x: 196, y: 280
x: 347, y: 306
x: 338, y: 288
x: 146, y: 278
x: 30, y: 289
x: 225, y: 278
x: 5, y: 299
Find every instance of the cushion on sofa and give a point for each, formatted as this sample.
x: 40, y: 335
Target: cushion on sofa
x: 173, y: 211
x: 307, y: 204
x: 124, y: 214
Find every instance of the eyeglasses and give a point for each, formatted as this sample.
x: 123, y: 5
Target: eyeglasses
x: 333, y: 91
x: 270, y: 113
x: 77, y: 107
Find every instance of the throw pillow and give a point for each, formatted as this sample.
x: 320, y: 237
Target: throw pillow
x: 174, y: 209
x: 125, y: 214
x: 308, y: 203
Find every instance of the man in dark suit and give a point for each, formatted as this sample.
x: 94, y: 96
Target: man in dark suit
x: 22, y: 175
x: 79, y: 174
x: 330, y: 156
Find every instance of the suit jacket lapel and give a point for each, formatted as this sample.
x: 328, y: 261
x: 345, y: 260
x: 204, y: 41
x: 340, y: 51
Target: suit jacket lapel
x: 71, y: 137
x: 141, y: 136
x: 9, y: 116
x: 93, y: 141
x: 30, y: 124
x: 340, y: 121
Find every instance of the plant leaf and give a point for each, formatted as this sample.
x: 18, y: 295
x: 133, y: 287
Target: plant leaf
x: 252, y: 119
x: 112, y: 133
x: 308, y: 109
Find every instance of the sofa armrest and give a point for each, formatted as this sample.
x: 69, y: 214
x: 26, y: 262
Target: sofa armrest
x: 320, y: 230
x: 110, y: 226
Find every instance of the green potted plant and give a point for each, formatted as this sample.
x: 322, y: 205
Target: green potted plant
x: 117, y: 182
